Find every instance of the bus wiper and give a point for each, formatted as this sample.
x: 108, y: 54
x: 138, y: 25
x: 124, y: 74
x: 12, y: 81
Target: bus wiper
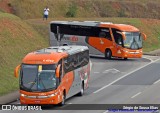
x: 34, y: 82
x: 134, y: 42
x: 42, y: 83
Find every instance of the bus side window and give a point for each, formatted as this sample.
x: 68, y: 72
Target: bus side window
x: 76, y: 61
x: 117, y: 36
x: 108, y: 36
x: 102, y: 34
x: 105, y: 34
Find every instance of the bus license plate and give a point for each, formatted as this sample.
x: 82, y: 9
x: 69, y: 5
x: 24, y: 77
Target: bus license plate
x: 37, y: 101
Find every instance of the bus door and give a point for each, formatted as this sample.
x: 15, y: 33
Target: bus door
x: 117, y: 43
x: 68, y: 75
x: 63, y: 78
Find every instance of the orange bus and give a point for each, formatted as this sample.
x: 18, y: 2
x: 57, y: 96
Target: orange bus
x: 102, y: 38
x: 53, y: 74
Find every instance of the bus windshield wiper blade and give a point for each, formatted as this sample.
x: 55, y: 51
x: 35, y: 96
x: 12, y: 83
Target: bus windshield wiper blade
x: 34, y: 82
x: 134, y: 42
x: 42, y: 84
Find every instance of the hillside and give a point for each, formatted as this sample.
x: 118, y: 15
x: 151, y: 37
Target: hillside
x: 21, y: 34
x: 151, y: 27
x: 27, y: 9
x: 17, y: 38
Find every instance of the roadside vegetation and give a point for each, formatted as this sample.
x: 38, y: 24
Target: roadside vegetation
x: 17, y: 38
x: 24, y: 31
x: 28, y: 9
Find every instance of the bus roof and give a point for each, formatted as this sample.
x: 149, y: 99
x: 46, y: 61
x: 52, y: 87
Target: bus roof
x: 83, y: 23
x: 52, y: 54
x: 122, y: 27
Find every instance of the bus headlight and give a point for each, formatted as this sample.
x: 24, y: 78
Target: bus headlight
x: 23, y: 95
x: 125, y: 51
x: 52, y: 95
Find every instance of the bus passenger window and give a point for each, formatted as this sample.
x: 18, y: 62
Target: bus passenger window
x: 102, y: 34
x: 105, y: 34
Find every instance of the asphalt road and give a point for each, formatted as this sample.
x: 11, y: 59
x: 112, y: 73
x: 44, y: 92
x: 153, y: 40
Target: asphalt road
x: 134, y: 81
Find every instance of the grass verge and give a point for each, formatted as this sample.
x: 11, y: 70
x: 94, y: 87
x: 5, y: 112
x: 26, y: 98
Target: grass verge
x: 17, y: 38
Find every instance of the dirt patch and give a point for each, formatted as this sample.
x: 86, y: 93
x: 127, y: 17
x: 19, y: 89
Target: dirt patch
x: 116, y: 5
x: 15, y: 28
x: 6, y: 6
x: 150, y: 21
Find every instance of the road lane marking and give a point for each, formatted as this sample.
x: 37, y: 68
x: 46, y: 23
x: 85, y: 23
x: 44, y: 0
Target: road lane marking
x: 156, y: 81
x: 96, y: 72
x: 91, y: 65
x: 136, y: 95
x: 69, y: 103
x: 148, y: 58
x: 106, y: 111
x: 124, y: 76
x: 111, y: 70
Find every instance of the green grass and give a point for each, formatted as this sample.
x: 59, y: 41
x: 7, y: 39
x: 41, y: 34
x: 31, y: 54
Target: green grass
x: 28, y: 9
x: 151, y: 27
x: 17, y: 38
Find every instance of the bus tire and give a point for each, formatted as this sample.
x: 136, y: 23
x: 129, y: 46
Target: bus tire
x: 125, y: 58
x: 63, y: 99
x: 108, y: 54
x: 82, y: 90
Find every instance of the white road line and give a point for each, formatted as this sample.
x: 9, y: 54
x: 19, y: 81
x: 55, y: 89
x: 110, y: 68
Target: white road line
x: 106, y: 111
x: 96, y: 72
x: 124, y: 76
x: 91, y: 65
x: 156, y: 81
x: 148, y: 58
x: 111, y: 70
x: 69, y: 103
x: 136, y: 95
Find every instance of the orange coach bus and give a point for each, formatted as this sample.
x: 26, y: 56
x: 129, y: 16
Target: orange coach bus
x: 102, y: 38
x: 53, y: 74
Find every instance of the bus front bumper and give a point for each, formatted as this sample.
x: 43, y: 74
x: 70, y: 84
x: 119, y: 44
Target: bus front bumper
x: 52, y: 97
x: 26, y: 100
x: 132, y: 54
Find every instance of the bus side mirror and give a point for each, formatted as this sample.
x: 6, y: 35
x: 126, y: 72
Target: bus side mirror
x: 16, y: 71
x: 58, y: 71
x: 144, y: 36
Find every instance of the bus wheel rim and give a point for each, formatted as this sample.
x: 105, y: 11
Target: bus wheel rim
x: 108, y: 54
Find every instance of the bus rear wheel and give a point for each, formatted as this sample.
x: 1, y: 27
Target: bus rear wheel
x: 125, y: 58
x: 108, y: 54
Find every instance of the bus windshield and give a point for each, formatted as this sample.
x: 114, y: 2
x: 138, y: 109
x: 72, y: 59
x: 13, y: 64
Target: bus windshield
x: 133, y: 40
x: 38, y: 77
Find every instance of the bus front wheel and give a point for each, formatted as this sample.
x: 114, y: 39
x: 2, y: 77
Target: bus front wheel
x: 108, y: 54
x: 63, y: 99
x: 82, y: 90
